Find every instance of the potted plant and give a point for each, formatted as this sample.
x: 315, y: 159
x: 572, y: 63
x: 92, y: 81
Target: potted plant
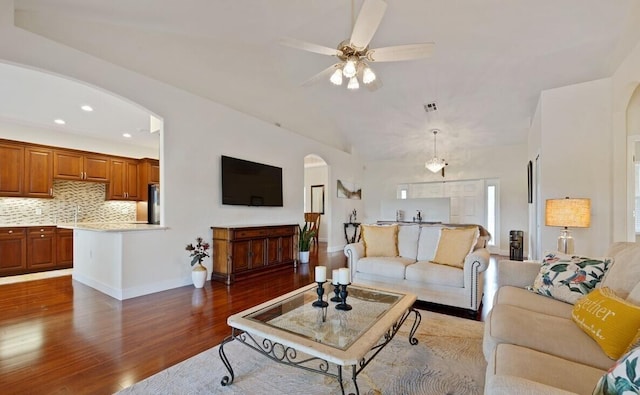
x: 198, y: 253
x: 304, y: 242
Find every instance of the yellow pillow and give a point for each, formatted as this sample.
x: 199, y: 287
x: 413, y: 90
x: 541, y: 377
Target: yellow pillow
x: 380, y: 240
x: 454, y: 245
x: 611, y: 321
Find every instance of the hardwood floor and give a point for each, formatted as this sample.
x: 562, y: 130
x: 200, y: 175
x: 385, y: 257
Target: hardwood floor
x: 58, y: 336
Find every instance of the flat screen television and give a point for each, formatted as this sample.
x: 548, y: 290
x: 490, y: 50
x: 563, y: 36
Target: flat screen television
x: 246, y: 183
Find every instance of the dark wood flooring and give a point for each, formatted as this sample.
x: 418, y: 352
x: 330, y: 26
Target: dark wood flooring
x: 58, y: 336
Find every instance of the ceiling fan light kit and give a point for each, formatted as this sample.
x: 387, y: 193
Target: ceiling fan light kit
x: 353, y: 52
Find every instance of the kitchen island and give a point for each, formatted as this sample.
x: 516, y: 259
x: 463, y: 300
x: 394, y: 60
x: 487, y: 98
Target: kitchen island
x: 110, y: 257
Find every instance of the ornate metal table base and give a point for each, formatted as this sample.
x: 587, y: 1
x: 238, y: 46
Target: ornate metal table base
x: 289, y: 356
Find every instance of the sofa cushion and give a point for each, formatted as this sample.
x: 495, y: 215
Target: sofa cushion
x: 623, y: 377
x: 521, y: 297
x: 408, y: 240
x: 624, y: 274
x: 552, y: 335
x: 380, y: 240
x: 568, y: 278
x: 384, y: 266
x: 432, y: 273
x: 454, y: 245
x: 428, y: 242
x: 516, y: 361
x: 610, y: 321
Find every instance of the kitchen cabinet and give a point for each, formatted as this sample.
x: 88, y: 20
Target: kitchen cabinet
x: 13, y: 250
x: 41, y: 247
x: 38, y: 174
x: 64, y: 248
x: 149, y: 174
x: 124, y: 183
x: 11, y: 170
x: 240, y: 252
x: 80, y: 166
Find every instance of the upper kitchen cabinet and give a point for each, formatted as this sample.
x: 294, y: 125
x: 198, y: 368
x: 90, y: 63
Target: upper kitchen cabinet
x: 38, y: 173
x: 80, y: 166
x: 125, y: 181
x: 11, y: 170
x: 149, y: 174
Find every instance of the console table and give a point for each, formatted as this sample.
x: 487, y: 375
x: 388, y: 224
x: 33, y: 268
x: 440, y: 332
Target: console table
x: 246, y: 251
x: 356, y: 231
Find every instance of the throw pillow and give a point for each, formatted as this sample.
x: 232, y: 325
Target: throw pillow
x: 609, y: 320
x: 454, y: 245
x: 623, y: 377
x: 380, y: 240
x: 568, y: 278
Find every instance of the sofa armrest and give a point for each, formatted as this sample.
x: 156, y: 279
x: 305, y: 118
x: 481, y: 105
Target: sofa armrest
x: 353, y: 252
x: 480, y: 258
x: 508, y: 385
x: 517, y: 273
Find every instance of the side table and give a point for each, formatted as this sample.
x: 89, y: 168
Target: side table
x: 356, y: 232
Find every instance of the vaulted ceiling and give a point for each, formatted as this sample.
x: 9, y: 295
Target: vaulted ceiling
x: 491, y: 60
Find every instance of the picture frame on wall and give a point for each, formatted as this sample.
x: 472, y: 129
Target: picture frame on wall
x: 347, y: 190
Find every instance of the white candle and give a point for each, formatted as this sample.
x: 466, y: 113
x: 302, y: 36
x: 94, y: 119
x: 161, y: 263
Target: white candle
x: 334, y: 277
x: 321, y: 274
x: 343, y: 276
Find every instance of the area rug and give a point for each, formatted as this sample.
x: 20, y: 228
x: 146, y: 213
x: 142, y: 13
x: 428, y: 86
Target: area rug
x: 447, y: 360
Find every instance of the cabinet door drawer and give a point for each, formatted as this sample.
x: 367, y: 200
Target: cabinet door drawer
x: 48, y: 230
x: 250, y: 233
x: 288, y: 231
x: 15, y: 232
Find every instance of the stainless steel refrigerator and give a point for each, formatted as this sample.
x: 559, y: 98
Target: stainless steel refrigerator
x: 153, y: 204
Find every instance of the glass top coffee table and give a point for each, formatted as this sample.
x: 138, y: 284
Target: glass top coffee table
x: 290, y: 330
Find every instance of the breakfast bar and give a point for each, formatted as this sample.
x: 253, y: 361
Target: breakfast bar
x: 107, y: 258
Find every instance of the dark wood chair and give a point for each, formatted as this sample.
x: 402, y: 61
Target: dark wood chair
x: 313, y: 223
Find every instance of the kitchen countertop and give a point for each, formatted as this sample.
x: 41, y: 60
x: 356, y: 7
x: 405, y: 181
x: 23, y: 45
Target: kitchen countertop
x: 95, y: 226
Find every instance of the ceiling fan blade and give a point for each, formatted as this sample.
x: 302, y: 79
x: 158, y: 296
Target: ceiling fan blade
x: 400, y: 52
x: 324, y: 74
x: 367, y: 23
x: 310, y: 47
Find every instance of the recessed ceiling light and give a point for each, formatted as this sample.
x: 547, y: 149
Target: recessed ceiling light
x: 127, y: 135
x: 59, y: 121
x: 87, y: 108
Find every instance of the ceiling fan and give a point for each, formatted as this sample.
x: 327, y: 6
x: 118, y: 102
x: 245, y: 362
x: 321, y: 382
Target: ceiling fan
x: 354, y: 53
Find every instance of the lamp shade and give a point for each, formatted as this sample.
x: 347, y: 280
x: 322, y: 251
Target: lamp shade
x: 570, y: 213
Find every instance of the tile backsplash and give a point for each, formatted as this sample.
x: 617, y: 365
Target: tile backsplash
x: 85, y: 198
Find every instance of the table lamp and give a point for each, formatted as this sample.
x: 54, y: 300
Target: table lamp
x: 567, y: 212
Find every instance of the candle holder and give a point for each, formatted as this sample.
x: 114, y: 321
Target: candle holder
x: 343, y: 299
x: 336, y: 291
x: 320, y: 292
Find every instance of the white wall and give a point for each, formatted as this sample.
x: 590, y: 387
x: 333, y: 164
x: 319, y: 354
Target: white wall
x: 505, y: 163
x: 196, y: 133
x: 576, y: 158
x: 31, y: 134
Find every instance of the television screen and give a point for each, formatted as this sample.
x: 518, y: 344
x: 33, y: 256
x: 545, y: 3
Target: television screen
x: 246, y: 183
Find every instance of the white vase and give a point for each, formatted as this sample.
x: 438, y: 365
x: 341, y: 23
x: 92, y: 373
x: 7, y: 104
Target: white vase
x: 199, y: 275
x: 304, y: 256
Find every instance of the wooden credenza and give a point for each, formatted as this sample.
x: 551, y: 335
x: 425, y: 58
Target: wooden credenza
x: 246, y: 251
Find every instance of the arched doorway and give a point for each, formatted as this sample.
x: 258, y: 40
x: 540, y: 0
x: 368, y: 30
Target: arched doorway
x: 316, y: 198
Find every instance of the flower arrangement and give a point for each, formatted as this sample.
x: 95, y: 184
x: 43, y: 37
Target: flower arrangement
x: 199, y: 251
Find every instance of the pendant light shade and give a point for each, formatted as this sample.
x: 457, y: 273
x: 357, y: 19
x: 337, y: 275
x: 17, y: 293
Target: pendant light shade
x: 435, y: 164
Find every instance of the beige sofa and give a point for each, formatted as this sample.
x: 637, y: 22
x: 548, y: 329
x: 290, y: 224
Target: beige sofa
x: 412, y: 270
x: 532, y: 345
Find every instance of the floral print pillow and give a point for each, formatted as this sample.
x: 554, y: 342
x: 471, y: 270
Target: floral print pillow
x: 568, y: 278
x: 623, y: 377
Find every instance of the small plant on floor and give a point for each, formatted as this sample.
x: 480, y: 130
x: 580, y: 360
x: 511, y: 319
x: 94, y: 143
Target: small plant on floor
x: 306, y: 235
x: 199, y: 251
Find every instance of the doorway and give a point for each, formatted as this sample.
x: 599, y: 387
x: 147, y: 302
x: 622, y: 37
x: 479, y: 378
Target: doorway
x: 316, y: 197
